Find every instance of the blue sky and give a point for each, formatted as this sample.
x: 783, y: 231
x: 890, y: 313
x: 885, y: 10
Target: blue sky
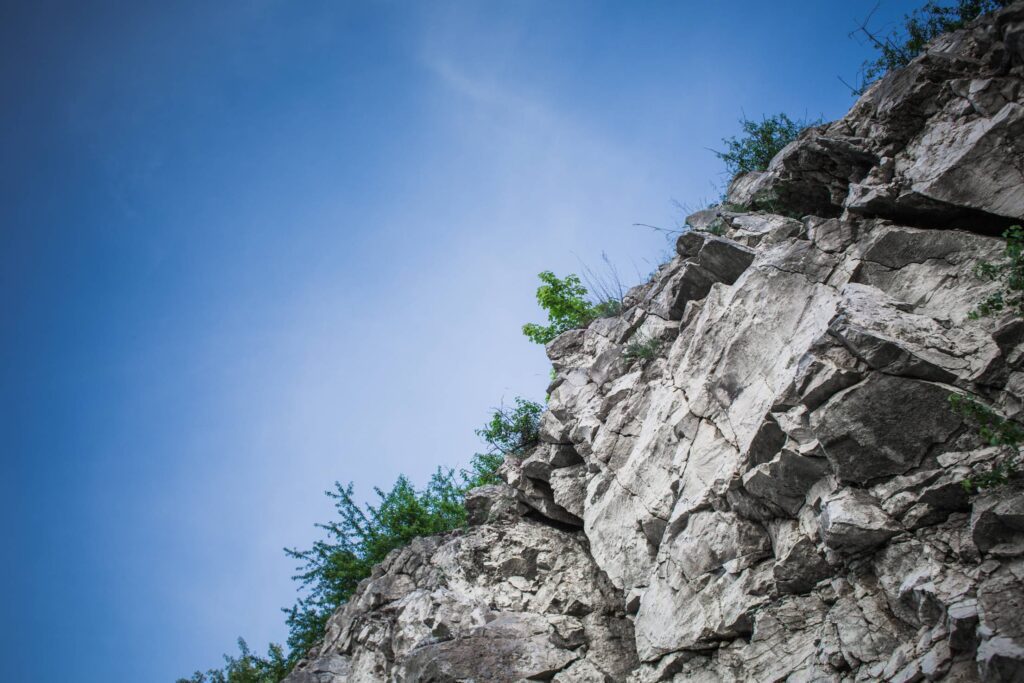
x: 249, y: 248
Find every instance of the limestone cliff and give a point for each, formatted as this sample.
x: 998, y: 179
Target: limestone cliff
x: 777, y: 494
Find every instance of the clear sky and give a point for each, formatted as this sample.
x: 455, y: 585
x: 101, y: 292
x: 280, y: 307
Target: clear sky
x: 249, y: 248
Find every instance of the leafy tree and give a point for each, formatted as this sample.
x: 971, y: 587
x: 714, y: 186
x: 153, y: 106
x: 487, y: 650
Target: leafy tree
x: 920, y: 27
x: 566, y: 304
x: 360, y: 538
x: 760, y: 142
x: 483, y: 470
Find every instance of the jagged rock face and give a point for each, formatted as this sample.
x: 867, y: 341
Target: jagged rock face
x: 939, y: 142
x: 777, y: 495
x: 508, y: 599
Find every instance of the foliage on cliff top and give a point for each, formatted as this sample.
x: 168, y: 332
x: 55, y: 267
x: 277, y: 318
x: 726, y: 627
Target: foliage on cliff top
x: 361, y: 537
x: 512, y: 431
x: 565, y: 301
x: 760, y: 141
x: 900, y: 45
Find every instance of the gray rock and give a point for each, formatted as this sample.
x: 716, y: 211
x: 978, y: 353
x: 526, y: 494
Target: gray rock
x: 972, y: 163
x: 785, y: 480
x: 852, y: 521
x: 997, y: 522
x: 885, y: 335
x: 883, y: 426
x: 500, y: 602
x: 569, y: 488
x: 492, y: 505
x: 536, y: 493
x: 799, y: 564
x: 762, y: 229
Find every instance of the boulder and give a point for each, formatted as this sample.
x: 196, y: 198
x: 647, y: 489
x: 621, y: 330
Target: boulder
x: 852, y: 521
x: 883, y: 426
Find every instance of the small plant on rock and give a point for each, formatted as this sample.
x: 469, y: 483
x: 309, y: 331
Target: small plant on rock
x: 717, y: 227
x: 760, y: 142
x: 513, y: 431
x: 641, y: 348
x: 995, y: 430
x: 247, y: 667
x: 568, y: 308
x: 605, y: 288
x: 920, y: 27
x: 566, y: 304
x: 1010, y: 273
x: 360, y: 536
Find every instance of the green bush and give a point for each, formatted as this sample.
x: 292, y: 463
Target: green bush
x: 608, y: 308
x: 994, y: 429
x: 483, y: 471
x: 717, y: 227
x: 513, y: 431
x: 567, y: 306
x: 1010, y: 273
x: 641, y: 348
x: 760, y: 142
x: 361, y: 536
x: 920, y: 27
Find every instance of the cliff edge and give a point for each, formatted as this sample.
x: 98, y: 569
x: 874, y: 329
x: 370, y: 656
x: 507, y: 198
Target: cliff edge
x: 776, y: 494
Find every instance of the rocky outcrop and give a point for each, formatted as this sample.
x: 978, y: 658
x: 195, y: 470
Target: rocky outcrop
x: 940, y: 142
x: 508, y: 599
x: 777, y: 495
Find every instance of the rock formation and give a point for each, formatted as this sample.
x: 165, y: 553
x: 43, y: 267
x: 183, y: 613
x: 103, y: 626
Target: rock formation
x: 777, y: 494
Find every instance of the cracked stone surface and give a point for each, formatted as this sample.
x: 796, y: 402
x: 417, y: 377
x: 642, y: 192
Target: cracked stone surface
x: 777, y: 495
x: 508, y: 599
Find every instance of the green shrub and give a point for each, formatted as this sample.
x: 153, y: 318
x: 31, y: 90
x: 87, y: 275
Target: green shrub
x: 604, y: 288
x: 920, y: 27
x: 360, y: 538
x: 1010, y: 273
x: 995, y: 430
x: 717, y: 227
x: 760, y: 142
x: 642, y: 348
x: 513, y: 431
x: 567, y: 307
x: 608, y: 308
x: 483, y: 471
